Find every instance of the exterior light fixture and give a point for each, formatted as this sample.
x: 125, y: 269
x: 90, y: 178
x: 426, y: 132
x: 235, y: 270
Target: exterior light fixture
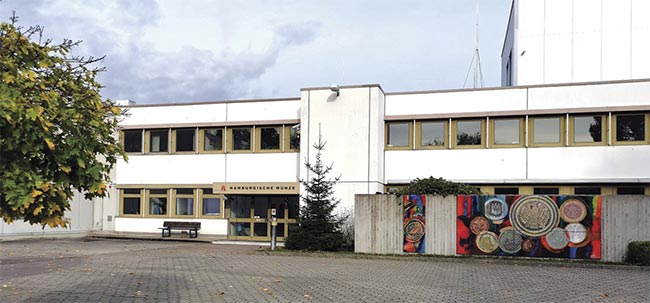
x: 335, y: 88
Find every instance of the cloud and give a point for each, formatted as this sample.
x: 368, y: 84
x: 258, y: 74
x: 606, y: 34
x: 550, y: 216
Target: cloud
x: 137, y: 70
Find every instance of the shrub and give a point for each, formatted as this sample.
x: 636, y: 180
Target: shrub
x: 439, y: 186
x: 638, y: 252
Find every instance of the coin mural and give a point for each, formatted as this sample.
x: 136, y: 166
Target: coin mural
x: 479, y: 224
x: 573, y: 211
x: 557, y: 238
x: 534, y: 216
x: 510, y: 240
x: 577, y: 233
x: 487, y: 242
x: 496, y: 209
x: 414, y: 230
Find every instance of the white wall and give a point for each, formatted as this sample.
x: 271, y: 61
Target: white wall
x: 559, y: 41
x: 151, y: 225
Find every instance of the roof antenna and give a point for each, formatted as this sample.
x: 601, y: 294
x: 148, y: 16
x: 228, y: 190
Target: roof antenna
x: 475, y: 64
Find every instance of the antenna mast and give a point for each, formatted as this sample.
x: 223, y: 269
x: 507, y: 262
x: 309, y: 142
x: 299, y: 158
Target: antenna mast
x: 475, y: 64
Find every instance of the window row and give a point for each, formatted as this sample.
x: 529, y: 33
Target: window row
x: 277, y: 138
x: 178, y: 202
x: 623, y: 189
x: 541, y: 131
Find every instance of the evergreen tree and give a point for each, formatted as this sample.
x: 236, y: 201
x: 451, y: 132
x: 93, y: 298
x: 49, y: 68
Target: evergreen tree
x: 319, y: 228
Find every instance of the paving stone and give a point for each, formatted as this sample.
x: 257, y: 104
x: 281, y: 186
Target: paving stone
x: 149, y: 271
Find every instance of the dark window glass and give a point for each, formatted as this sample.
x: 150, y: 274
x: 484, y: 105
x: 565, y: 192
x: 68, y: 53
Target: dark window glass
x: 279, y: 230
x: 293, y: 206
x: 398, y: 134
x: 587, y: 190
x: 211, y: 206
x: 260, y: 230
x: 506, y: 131
x: 207, y: 191
x: 270, y: 138
x: 158, y: 141
x: 468, y: 133
x: 546, y: 130
x: 213, y: 139
x: 630, y: 128
x: 432, y: 133
x: 506, y: 191
x: 587, y: 129
x: 630, y: 190
x: 240, y: 206
x: 238, y: 229
x: 184, y: 191
x: 133, y: 141
x: 546, y: 190
x: 131, y: 206
x: 185, y: 140
x: 158, y: 191
x: 132, y: 191
x: 294, y: 137
x: 157, y: 206
x: 241, y: 138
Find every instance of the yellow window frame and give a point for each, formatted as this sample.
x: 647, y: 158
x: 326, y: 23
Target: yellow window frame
x: 201, y: 141
x: 522, y: 135
x: 174, y: 141
x: 123, y: 196
x: 445, y: 134
x: 258, y: 137
x: 603, y: 130
x: 147, y: 141
x: 176, y: 195
x: 454, y: 133
x: 287, y: 138
x: 149, y: 195
x: 531, y: 132
x: 122, y: 138
x: 410, y: 136
x: 230, y: 141
x: 199, y: 209
x: 646, y: 117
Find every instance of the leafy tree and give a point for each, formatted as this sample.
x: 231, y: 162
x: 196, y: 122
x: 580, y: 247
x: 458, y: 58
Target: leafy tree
x: 56, y: 133
x: 439, y: 186
x: 319, y: 228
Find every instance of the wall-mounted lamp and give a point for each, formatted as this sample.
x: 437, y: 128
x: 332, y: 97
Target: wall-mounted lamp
x: 335, y: 88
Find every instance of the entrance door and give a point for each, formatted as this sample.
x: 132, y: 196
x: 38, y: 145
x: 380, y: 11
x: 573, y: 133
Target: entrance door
x: 250, y: 216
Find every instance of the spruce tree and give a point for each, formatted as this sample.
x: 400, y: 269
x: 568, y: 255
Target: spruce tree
x: 319, y: 228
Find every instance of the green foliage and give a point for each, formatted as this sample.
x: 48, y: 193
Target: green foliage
x: 319, y: 228
x: 638, y: 253
x: 439, y: 186
x: 56, y: 133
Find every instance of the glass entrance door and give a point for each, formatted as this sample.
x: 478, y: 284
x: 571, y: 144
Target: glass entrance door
x: 250, y: 216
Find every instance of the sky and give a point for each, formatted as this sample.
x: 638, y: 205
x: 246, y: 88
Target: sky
x: 174, y: 51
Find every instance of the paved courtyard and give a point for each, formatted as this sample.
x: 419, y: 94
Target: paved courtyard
x: 151, y: 271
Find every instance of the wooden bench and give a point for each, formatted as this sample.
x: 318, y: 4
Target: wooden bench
x: 189, y: 226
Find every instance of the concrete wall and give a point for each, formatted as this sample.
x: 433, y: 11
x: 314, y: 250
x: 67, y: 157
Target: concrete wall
x: 379, y: 227
x: 559, y: 41
x: 625, y: 219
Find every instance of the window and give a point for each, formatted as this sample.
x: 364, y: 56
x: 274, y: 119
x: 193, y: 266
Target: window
x: 546, y: 191
x: 631, y: 128
x: 547, y: 131
x: 630, y: 190
x: 131, y: 202
x: 431, y: 134
x: 587, y: 130
x: 184, y: 202
x: 157, y: 202
x: 292, y: 133
x: 158, y: 140
x: 184, y: 139
x: 507, y: 132
x: 132, y: 140
x: 211, y: 140
x: 398, y: 135
x: 268, y: 138
x: 506, y: 190
x: 469, y: 133
x: 240, y: 139
x: 210, y: 203
x: 587, y: 190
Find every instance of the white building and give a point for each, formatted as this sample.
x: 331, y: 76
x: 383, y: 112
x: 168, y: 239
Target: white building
x: 230, y: 164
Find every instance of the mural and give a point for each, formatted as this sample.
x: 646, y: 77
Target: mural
x: 531, y: 226
x: 414, y: 223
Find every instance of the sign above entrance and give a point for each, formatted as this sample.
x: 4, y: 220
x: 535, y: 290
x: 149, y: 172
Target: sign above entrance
x: 286, y: 188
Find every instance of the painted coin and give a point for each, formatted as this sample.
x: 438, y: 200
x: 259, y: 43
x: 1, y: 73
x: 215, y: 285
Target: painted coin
x: 479, y: 224
x: 414, y: 230
x: 495, y: 209
x: 487, y: 242
x: 573, y: 211
x: 557, y: 239
x: 576, y: 232
x: 510, y: 240
x: 527, y: 245
x: 534, y: 216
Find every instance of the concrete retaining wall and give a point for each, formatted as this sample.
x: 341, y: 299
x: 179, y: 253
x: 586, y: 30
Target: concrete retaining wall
x: 379, y: 227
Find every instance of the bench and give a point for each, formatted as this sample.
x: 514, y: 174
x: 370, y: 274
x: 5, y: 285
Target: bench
x: 189, y: 226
